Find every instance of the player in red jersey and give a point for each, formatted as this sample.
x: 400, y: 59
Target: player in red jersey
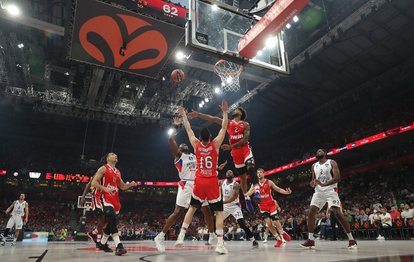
x: 111, y: 181
x: 239, y: 134
x: 206, y: 184
x: 97, y: 208
x: 268, y: 207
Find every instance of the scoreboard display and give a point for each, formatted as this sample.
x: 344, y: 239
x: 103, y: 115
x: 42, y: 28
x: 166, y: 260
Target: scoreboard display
x: 174, y: 12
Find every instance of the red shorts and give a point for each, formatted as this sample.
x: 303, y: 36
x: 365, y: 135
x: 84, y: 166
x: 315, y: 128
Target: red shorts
x: 241, y: 155
x: 207, y: 189
x: 111, y: 200
x: 268, y: 208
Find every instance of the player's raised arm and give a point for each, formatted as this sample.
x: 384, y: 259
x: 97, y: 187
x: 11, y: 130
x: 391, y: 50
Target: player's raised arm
x: 210, y: 118
x: 336, y: 175
x: 286, y: 191
x: 124, y: 186
x: 171, y: 140
x: 190, y: 133
x: 222, y: 134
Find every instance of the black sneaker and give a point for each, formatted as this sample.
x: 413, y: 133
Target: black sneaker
x: 98, y: 245
x: 93, y: 237
x: 106, y: 248
x: 120, y: 250
x: 255, y: 244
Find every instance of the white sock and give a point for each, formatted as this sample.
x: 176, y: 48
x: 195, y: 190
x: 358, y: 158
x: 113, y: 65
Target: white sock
x: 310, y: 236
x: 98, y: 238
x: 161, y: 234
x: 104, y: 239
x: 116, y: 239
x: 350, y: 237
x: 211, y: 235
x: 184, y: 228
x: 219, y: 234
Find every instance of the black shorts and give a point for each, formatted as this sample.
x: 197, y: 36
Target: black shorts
x: 217, y: 206
x: 272, y: 217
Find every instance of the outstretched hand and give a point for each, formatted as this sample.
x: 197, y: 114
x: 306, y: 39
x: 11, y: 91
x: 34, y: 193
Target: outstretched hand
x: 181, y: 110
x: 288, y: 191
x: 224, y: 106
x: 222, y: 165
x: 226, y: 147
x: 176, y: 121
x: 193, y: 114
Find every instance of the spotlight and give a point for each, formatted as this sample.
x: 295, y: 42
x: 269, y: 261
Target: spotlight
x: 127, y: 86
x: 295, y: 19
x: 214, y: 7
x: 21, y: 45
x: 288, y: 26
x: 13, y: 9
x: 163, y: 78
x: 229, y: 80
x: 271, y: 42
x: 223, y: 84
x: 259, y: 53
x: 202, y: 102
x: 217, y: 90
x: 170, y: 131
x: 200, y: 105
x: 206, y: 99
x: 66, y: 73
x: 179, y: 55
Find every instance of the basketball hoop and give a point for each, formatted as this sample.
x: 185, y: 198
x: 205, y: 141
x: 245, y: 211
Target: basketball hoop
x: 229, y: 74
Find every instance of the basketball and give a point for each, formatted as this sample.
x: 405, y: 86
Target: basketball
x: 177, y: 76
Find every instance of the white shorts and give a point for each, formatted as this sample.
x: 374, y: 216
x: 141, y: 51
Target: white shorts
x: 185, y: 191
x: 319, y: 199
x: 232, y: 209
x: 15, y: 221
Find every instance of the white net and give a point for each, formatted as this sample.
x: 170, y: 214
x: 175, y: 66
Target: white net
x: 229, y: 74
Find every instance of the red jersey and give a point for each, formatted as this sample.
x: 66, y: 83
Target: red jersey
x: 265, y: 193
x: 110, y: 180
x: 207, y: 158
x: 235, y: 130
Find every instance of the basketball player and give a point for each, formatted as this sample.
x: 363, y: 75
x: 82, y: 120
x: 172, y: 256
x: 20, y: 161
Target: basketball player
x: 206, y: 184
x: 97, y: 208
x: 325, y: 178
x: 231, y: 204
x: 239, y: 134
x: 186, y: 163
x: 18, y: 209
x: 111, y: 181
x: 268, y: 208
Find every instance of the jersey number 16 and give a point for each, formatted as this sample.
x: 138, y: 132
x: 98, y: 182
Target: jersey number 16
x: 206, y: 162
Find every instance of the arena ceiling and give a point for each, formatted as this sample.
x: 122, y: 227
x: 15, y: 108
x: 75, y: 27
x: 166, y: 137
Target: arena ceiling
x: 337, y: 50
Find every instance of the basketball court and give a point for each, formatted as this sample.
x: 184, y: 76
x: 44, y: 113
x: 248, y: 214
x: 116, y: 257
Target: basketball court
x: 197, y: 251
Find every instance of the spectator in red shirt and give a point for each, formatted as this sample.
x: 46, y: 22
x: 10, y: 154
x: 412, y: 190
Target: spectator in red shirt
x: 395, y: 214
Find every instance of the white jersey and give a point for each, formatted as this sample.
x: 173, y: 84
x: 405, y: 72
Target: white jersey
x: 323, y: 173
x: 228, y: 192
x: 186, y: 166
x: 18, y: 208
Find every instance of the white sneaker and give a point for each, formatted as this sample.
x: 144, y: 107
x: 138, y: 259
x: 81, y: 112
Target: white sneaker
x: 180, y: 241
x: 211, y: 240
x: 159, y: 243
x: 221, y: 249
x: 13, y: 243
x: 380, y: 237
x: 265, y: 241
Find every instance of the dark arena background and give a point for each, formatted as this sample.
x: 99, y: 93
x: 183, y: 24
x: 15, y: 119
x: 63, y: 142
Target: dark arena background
x: 89, y: 90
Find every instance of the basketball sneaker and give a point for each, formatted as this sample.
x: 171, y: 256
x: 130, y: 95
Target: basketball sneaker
x: 286, y: 236
x: 279, y: 243
x: 98, y: 245
x: 352, y: 244
x: 106, y: 248
x: 255, y: 244
x: 221, y: 249
x: 249, y: 205
x: 93, y: 237
x: 211, y: 239
x: 120, y: 250
x: 308, y: 244
x: 2, y: 240
x: 256, y: 198
x: 159, y: 243
x: 13, y: 243
x: 180, y: 241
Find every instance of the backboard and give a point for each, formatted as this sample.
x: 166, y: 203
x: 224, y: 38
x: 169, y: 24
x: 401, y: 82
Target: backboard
x: 216, y: 28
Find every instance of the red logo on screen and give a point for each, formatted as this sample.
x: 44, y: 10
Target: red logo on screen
x: 3, y: 172
x: 123, y: 41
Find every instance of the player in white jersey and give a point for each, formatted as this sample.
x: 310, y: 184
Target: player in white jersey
x: 18, y: 209
x: 231, y: 205
x: 186, y: 164
x: 325, y: 178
